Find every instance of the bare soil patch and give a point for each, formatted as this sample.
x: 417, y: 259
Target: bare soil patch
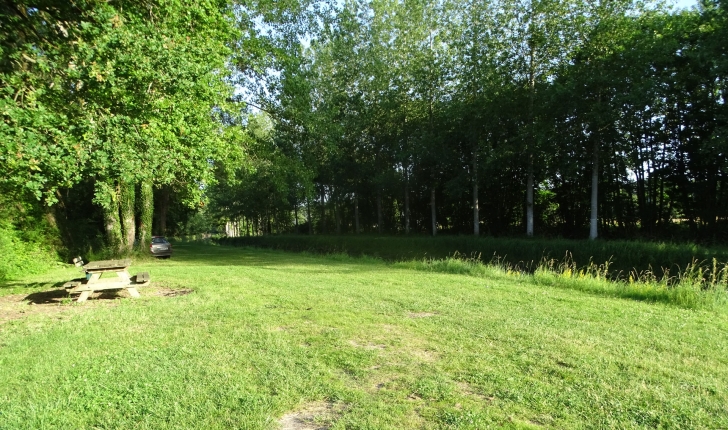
x: 312, y: 416
x: 58, y: 301
x: 171, y: 292
x: 368, y: 346
x: 421, y: 314
x: 425, y: 355
x: 466, y: 389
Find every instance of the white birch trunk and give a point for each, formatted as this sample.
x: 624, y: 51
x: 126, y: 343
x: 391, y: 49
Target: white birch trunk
x: 594, y: 192
x: 529, y: 201
x: 379, y: 211
x: 531, y: 144
x: 308, y: 215
x: 323, y: 209
x: 356, y: 213
x: 406, y: 204
x: 476, y: 209
x: 433, y: 212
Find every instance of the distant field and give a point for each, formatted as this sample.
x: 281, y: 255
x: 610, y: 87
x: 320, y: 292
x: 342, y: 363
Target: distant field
x: 268, y: 339
x: 525, y: 254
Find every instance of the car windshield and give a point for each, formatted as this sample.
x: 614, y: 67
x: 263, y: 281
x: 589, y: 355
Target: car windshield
x: 159, y: 240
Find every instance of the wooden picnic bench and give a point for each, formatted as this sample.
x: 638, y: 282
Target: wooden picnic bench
x: 94, y: 281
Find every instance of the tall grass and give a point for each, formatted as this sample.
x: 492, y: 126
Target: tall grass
x: 624, y: 257
x: 695, y: 287
x: 688, y: 275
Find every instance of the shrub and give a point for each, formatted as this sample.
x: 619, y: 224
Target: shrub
x: 20, y: 257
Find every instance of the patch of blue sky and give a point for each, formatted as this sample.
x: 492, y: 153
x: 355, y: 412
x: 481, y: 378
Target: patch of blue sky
x: 686, y: 4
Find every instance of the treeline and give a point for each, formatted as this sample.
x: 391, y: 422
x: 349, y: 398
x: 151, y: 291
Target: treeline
x: 560, y: 117
x: 123, y: 118
x: 116, y: 116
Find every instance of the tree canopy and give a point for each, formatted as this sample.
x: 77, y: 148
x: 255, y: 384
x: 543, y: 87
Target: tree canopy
x: 573, y: 118
x: 563, y: 117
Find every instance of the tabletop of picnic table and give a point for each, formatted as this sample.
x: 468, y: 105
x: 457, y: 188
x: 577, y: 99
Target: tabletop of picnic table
x: 108, y: 264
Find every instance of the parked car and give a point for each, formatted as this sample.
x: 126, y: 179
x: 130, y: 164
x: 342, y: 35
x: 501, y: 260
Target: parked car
x: 160, y: 247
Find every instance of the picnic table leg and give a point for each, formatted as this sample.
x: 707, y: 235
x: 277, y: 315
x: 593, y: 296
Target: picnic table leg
x: 124, y: 275
x: 84, y: 295
x: 90, y: 281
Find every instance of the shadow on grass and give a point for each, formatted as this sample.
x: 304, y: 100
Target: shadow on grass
x: 59, y: 296
x: 30, y: 285
x: 47, y: 297
x: 211, y: 255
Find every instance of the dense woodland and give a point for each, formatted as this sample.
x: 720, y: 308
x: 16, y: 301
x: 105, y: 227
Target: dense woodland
x: 502, y: 117
x: 571, y: 118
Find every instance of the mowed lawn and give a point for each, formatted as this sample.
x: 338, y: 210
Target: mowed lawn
x: 354, y: 343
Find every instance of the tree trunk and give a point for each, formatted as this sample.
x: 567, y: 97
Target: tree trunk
x: 337, y: 214
x: 308, y: 216
x: 379, y: 211
x: 128, y: 221
x: 531, y: 143
x: 476, y: 209
x: 663, y: 218
x: 356, y: 213
x: 295, y: 216
x: 62, y: 211
x: 406, y: 203
x: 323, y: 209
x: 163, y: 207
x: 146, y: 214
x: 112, y: 222
x: 529, y: 199
x: 433, y: 212
x: 594, y: 191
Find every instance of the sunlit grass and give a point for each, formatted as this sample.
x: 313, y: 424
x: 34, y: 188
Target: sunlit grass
x: 625, y: 258
x: 695, y: 287
x: 266, y: 332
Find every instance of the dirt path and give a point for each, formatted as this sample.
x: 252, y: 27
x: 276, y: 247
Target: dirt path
x: 57, y: 301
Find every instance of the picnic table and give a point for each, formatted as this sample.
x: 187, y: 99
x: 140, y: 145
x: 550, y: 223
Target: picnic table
x: 94, y: 282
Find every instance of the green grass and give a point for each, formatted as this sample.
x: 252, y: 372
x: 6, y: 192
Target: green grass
x: 267, y: 332
x: 696, y: 288
x: 640, y: 259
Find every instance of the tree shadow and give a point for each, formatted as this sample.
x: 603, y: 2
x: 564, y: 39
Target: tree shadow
x: 31, y: 285
x: 58, y: 296
x: 215, y: 255
x: 48, y: 297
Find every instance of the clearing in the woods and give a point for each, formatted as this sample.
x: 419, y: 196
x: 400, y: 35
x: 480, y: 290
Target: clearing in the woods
x: 248, y: 338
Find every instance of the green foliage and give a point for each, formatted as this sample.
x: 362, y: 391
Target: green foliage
x: 113, y: 91
x: 21, y: 256
x: 474, y: 101
x: 28, y: 238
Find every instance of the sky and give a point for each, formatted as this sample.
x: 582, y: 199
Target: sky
x: 686, y: 3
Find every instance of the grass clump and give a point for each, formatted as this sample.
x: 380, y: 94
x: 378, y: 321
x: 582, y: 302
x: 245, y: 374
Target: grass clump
x: 456, y: 264
x: 697, y: 286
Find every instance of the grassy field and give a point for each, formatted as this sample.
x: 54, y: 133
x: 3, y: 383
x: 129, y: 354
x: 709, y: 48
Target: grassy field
x: 269, y: 339
x: 640, y: 259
